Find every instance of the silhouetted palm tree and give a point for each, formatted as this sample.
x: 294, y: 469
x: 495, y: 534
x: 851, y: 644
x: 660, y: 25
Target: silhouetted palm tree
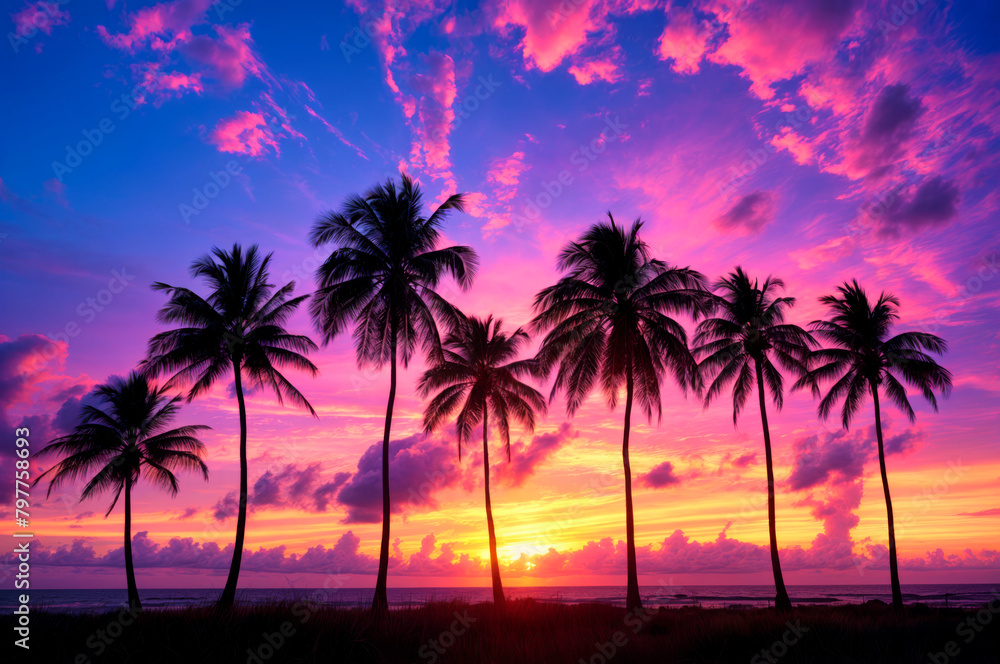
x: 381, y: 277
x: 238, y: 328
x: 478, y: 375
x: 737, y: 346
x: 866, y: 360
x: 128, y: 437
x: 609, y: 321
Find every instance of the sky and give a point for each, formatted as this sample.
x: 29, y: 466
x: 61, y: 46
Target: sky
x: 815, y: 140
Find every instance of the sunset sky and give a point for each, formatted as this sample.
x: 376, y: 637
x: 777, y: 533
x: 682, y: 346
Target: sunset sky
x: 814, y: 140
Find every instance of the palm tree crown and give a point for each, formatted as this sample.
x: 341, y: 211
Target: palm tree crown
x: 865, y: 358
x: 240, y: 322
x: 126, y: 439
x: 479, y: 375
x: 112, y: 447
x: 609, y: 318
x: 384, y: 270
x: 749, y: 327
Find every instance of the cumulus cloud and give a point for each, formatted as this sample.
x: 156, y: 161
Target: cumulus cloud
x: 525, y: 459
x: 659, y: 477
x: 419, y: 466
x: 599, y: 69
x: 684, y: 41
x: 749, y: 214
x: 288, y: 487
x: 873, y: 149
x: 933, y: 202
x: 245, y: 133
x: 773, y: 41
x: 38, y: 16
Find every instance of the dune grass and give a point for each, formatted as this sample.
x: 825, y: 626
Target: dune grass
x: 527, y: 631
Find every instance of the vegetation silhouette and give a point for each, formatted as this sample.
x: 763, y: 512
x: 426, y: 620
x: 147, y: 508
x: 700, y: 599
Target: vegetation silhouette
x: 381, y: 276
x: 865, y: 360
x: 238, y: 327
x: 125, y: 439
x: 608, y: 321
x: 737, y: 345
x: 478, y: 375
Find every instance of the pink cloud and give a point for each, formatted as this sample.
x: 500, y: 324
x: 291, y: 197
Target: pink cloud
x: 227, y: 59
x: 596, y: 70
x: 684, y: 41
x: 507, y: 172
x: 659, y: 477
x: 163, y: 26
x: 39, y: 16
x: 772, y: 41
x: 525, y: 459
x: 796, y: 145
x: 749, y: 214
x: 245, y: 133
x: 553, y: 29
x: 434, y: 109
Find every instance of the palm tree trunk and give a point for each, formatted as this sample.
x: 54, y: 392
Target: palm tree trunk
x: 380, y: 603
x: 133, y: 590
x: 498, y: 597
x: 781, y: 601
x: 632, y: 600
x: 229, y: 593
x: 897, y: 592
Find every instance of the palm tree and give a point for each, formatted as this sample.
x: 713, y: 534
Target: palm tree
x: 609, y: 320
x: 114, y: 445
x: 381, y: 276
x: 739, y: 345
x: 866, y: 360
x: 238, y: 327
x: 478, y: 375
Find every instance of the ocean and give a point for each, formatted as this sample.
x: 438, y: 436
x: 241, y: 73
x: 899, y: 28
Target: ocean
x: 678, y: 596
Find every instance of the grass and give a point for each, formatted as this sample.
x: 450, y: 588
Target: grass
x: 527, y: 631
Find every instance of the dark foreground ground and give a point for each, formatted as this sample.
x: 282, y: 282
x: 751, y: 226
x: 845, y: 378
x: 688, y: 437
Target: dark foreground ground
x: 526, y: 632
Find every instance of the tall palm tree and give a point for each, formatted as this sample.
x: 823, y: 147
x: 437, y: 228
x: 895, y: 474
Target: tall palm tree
x: 478, y: 375
x: 865, y: 360
x: 740, y: 345
x: 609, y: 320
x: 381, y: 276
x: 125, y: 439
x: 238, y: 328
